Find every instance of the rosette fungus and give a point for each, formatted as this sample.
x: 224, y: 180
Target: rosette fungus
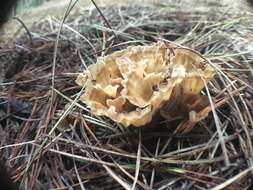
x: 131, y: 85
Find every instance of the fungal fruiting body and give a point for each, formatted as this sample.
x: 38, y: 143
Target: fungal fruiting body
x: 131, y: 85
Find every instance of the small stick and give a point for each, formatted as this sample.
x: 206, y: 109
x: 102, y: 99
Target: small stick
x: 105, y: 20
x: 26, y: 29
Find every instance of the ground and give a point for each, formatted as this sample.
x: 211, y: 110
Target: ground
x: 51, y: 140
x: 55, y: 8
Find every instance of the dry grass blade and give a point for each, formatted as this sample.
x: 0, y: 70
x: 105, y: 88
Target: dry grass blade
x: 232, y: 180
x: 117, y: 178
x: 138, y: 162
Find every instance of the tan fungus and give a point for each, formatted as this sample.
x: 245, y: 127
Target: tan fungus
x: 131, y: 85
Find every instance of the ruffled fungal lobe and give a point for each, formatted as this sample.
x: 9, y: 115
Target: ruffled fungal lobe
x: 131, y: 85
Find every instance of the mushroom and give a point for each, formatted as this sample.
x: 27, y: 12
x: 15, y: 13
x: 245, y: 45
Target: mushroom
x: 131, y: 85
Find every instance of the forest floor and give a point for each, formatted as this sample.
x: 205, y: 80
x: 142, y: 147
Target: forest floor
x: 55, y: 8
x: 51, y: 140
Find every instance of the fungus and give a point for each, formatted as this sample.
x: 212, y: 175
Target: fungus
x: 131, y: 85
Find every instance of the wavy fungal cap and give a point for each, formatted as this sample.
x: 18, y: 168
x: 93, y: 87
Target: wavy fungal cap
x: 131, y: 85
